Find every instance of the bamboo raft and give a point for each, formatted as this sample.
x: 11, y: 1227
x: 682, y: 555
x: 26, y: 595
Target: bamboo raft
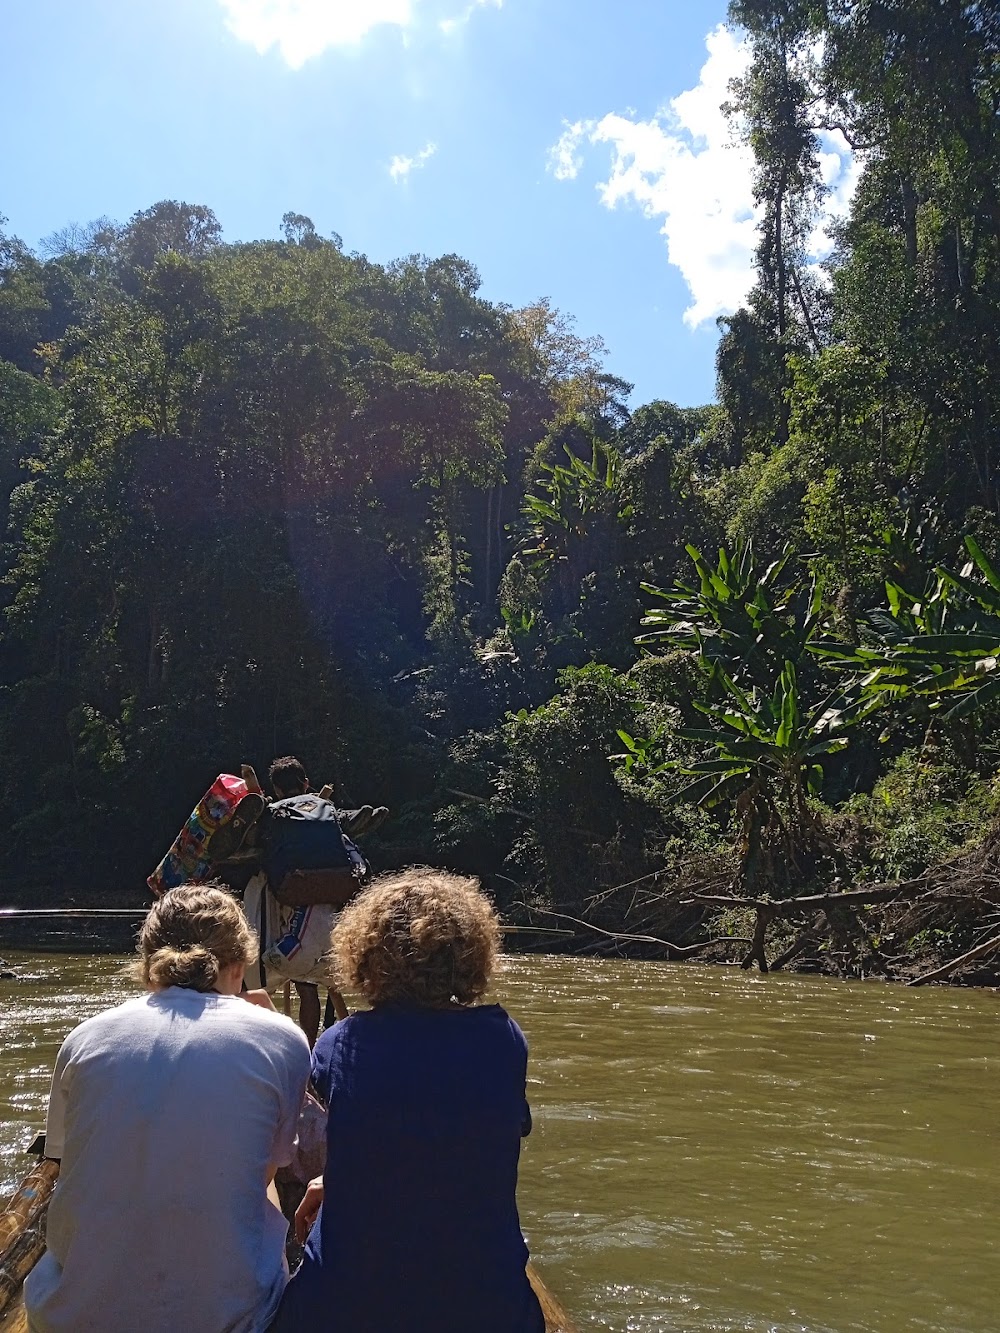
x: 22, y: 1243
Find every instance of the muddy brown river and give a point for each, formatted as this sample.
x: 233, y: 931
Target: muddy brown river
x: 712, y: 1150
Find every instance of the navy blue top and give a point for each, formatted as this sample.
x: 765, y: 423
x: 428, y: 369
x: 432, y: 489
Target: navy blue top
x: 419, y: 1231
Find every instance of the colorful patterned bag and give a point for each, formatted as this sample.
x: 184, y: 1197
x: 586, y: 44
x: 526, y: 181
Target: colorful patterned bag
x: 228, y: 805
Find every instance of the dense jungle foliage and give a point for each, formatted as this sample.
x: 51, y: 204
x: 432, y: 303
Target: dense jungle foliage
x: 274, y: 497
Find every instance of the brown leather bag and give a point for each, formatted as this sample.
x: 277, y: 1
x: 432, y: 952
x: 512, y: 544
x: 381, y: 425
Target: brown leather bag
x: 309, y: 888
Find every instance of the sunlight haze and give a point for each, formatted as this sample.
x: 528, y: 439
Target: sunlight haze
x: 570, y: 151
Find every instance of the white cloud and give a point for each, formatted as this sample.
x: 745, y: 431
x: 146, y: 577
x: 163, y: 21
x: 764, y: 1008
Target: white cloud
x: 400, y: 166
x: 302, y: 29
x: 841, y: 170
x: 565, y: 158
x: 451, y: 25
x: 684, y: 166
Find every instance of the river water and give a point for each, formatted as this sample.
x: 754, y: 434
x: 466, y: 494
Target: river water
x: 712, y: 1150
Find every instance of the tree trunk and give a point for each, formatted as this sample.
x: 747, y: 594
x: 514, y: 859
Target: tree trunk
x: 909, y: 219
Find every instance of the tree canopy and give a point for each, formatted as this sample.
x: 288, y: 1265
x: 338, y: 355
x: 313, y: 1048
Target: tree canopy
x: 274, y: 496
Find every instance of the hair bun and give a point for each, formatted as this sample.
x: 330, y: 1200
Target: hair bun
x: 192, y: 966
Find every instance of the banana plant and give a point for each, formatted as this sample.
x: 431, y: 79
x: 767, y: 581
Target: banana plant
x: 763, y: 757
x: 938, y: 648
x: 957, y: 664
x: 571, y: 494
x: 771, y: 715
x: 746, y: 620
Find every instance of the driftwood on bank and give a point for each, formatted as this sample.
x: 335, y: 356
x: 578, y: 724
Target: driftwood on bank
x: 626, y: 937
x: 964, y: 890
x: 939, y: 973
x: 768, y: 911
x: 805, y: 940
x: 878, y: 893
x: 960, y: 894
x: 957, y: 898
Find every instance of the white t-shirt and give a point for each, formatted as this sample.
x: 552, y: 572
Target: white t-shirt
x: 167, y: 1113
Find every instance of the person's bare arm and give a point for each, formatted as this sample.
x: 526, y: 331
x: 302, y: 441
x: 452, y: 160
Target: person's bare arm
x: 308, y: 1209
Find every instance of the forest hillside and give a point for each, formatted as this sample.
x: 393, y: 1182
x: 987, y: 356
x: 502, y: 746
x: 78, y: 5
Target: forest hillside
x: 646, y: 667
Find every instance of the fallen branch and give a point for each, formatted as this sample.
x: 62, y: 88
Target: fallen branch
x: 940, y: 972
x: 600, y: 897
x: 533, y: 930
x: 768, y: 910
x: 808, y: 937
x: 682, y: 949
x: 485, y: 800
x: 878, y: 893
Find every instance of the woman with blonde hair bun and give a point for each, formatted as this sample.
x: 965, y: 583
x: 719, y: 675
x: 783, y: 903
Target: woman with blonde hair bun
x: 413, y: 1227
x: 170, y: 1114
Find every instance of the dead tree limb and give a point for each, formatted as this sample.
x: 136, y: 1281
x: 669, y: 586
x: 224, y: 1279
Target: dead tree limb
x: 940, y: 973
x: 683, y: 950
x: 800, y: 944
x: 756, y: 951
x: 768, y: 911
x: 878, y: 893
x: 485, y: 800
x: 598, y: 898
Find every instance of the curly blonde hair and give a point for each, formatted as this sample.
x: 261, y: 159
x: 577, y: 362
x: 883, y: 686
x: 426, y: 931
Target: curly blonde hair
x: 418, y: 936
x: 190, y: 935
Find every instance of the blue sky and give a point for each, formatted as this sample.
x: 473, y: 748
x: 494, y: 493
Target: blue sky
x: 568, y: 148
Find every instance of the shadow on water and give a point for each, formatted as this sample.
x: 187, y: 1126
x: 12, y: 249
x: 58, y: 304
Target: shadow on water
x: 712, y: 1150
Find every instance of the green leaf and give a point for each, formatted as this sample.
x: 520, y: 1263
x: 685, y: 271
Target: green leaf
x: 974, y: 700
x: 985, y: 568
x: 716, y: 766
x: 830, y: 746
x: 983, y: 595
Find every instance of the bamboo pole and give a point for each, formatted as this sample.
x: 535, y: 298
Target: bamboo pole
x: 15, y: 1320
x: 30, y: 913
x: 26, y: 1203
x: 22, y: 1236
x: 27, y: 913
x: 556, y: 1318
x: 20, y: 1259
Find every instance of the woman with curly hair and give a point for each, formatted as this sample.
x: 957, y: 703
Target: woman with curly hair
x: 169, y: 1115
x: 417, y: 1228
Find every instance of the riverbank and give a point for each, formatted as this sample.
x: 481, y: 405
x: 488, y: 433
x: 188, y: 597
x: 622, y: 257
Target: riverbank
x: 939, y: 925
x: 861, y: 955
x: 942, y: 925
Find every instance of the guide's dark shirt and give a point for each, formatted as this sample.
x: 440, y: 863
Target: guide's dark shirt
x: 419, y: 1231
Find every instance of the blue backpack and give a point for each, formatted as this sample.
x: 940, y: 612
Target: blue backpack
x: 307, y: 856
